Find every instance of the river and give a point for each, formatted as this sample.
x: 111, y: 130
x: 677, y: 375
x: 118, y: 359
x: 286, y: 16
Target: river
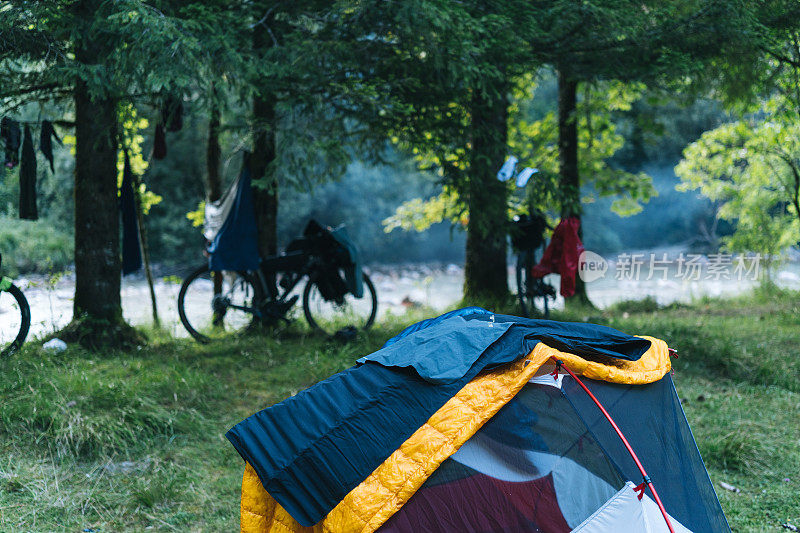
x: 402, y: 286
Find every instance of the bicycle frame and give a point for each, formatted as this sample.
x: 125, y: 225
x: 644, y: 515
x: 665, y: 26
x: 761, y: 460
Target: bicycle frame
x: 525, y: 249
x: 298, y: 265
x: 269, y: 292
x: 292, y: 262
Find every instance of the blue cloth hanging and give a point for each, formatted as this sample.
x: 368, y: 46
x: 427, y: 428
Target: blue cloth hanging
x: 235, y: 247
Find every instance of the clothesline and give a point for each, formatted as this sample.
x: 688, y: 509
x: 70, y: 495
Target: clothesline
x: 14, y: 137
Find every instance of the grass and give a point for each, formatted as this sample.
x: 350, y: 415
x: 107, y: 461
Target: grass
x: 126, y: 441
x: 33, y: 247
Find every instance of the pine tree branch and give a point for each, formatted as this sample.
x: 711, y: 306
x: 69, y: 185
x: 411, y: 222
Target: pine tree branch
x: 33, y: 89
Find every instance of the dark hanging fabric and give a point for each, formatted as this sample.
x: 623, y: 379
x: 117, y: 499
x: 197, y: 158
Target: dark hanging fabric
x: 27, y: 179
x: 172, y: 113
x: 131, y: 251
x: 46, y: 142
x: 159, y: 142
x: 235, y: 247
x: 10, y: 133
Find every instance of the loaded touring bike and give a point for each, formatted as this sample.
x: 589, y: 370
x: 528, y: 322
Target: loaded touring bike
x: 15, y: 316
x: 527, y: 237
x: 338, y: 296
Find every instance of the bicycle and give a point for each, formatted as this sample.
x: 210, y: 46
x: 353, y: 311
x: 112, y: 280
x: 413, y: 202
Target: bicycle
x: 527, y: 235
x: 15, y: 316
x: 338, y: 296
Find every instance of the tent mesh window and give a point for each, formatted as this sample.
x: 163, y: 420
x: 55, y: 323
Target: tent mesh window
x: 651, y: 418
x: 519, y: 472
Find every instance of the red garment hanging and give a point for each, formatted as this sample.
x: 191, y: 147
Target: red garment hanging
x: 561, y: 255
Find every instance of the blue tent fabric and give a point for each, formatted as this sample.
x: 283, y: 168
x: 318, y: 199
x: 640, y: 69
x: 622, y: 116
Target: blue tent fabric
x: 590, y: 341
x: 465, y: 334
x: 462, y: 340
x: 663, y: 443
x: 513, y: 425
x: 422, y: 324
x: 310, y: 450
x: 235, y: 246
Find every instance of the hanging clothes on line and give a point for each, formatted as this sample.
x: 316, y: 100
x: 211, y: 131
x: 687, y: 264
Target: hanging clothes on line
x: 27, y: 179
x: 562, y: 254
x: 159, y: 142
x: 216, y: 212
x: 235, y: 244
x: 10, y: 133
x: 46, y: 136
x: 131, y: 250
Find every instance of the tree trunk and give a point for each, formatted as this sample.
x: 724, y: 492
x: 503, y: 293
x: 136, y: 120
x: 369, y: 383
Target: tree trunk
x: 485, y: 271
x: 213, y: 177
x: 570, y: 188
x: 568, y: 147
x: 97, y: 256
x: 213, y: 157
x: 265, y: 191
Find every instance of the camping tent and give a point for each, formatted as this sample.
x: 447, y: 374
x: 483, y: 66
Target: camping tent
x: 480, y: 422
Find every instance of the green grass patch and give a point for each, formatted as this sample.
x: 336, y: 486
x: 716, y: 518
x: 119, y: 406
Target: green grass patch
x: 33, y: 247
x: 748, y: 436
x: 129, y: 440
x: 647, y: 304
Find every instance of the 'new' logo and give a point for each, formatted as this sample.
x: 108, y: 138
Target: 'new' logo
x: 591, y: 266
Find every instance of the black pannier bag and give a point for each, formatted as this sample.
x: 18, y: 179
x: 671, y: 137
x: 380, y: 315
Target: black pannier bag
x: 527, y: 231
x: 334, y: 247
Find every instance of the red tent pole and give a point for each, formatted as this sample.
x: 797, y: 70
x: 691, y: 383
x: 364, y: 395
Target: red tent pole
x: 622, y: 438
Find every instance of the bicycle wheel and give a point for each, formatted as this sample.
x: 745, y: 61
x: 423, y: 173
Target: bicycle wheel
x: 215, y: 304
x: 330, y: 316
x: 524, y: 264
x: 533, y: 293
x: 15, y: 320
x: 545, y: 299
